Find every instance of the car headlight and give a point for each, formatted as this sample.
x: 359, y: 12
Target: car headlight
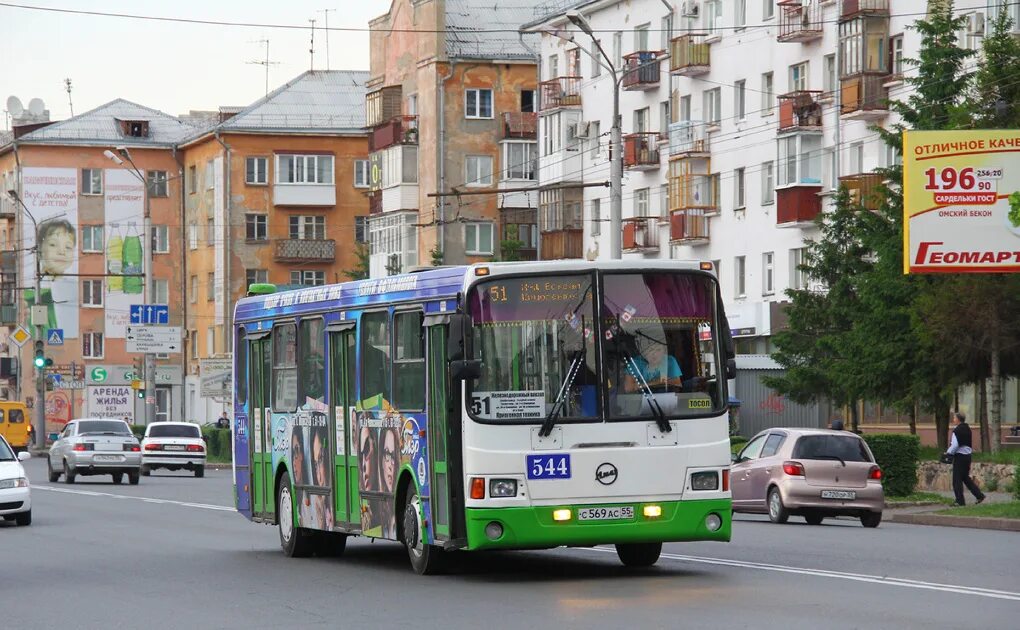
x: 17, y: 482
x: 705, y: 480
x: 502, y: 488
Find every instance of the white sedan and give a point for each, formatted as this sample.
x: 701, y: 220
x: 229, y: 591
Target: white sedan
x: 173, y: 445
x: 15, y: 494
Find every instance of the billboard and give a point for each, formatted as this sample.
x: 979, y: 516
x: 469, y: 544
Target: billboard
x: 961, y: 201
x: 111, y: 401
x: 51, y: 196
x: 124, y: 197
x: 215, y: 377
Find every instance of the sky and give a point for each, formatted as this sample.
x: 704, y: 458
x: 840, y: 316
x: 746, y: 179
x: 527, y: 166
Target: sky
x: 170, y: 66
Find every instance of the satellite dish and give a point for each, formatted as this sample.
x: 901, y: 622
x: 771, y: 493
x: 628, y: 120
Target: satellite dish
x: 14, y: 107
x: 36, y: 107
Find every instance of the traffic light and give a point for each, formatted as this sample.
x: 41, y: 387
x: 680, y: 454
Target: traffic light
x: 138, y: 368
x: 40, y: 357
x: 140, y: 393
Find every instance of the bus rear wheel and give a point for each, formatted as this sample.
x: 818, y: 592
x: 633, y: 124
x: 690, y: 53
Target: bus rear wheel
x: 639, y: 554
x: 425, y: 559
x: 296, y: 543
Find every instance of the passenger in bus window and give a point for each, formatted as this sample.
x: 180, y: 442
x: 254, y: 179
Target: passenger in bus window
x: 388, y: 461
x: 367, y: 459
x: 655, y: 365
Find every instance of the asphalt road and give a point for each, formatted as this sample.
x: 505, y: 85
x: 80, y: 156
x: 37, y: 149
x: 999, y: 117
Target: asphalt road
x: 171, y: 553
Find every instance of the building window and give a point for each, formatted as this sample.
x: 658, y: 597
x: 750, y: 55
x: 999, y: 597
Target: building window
x: 360, y: 229
x: 665, y: 32
x: 478, y: 170
x: 596, y: 216
x: 478, y: 103
x: 768, y: 183
x: 161, y: 291
x: 520, y: 160
x: 210, y: 341
x: 740, y: 13
x: 92, y: 293
x: 210, y: 286
x: 256, y: 227
x: 641, y: 120
x: 361, y: 174
x: 210, y: 231
x: 91, y: 238
x: 528, y: 101
x: 829, y: 80
x: 525, y: 233
x: 641, y: 202
x: 160, y: 239
x: 210, y: 181
x: 596, y: 60
x: 664, y: 118
x: 856, y: 161
x: 595, y: 138
x: 91, y: 181
x: 618, y: 49
x: 308, y: 227
x: 193, y: 343
x: 256, y: 171
x: 738, y: 189
x: 308, y: 278
x: 157, y: 183
x: 554, y: 65
x: 255, y: 276
x: 664, y: 202
x: 739, y: 276
x: 478, y: 239
x: 713, y: 106
x: 194, y: 290
x: 685, y: 108
x: 304, y: 169
x: 713, y: 17
x: 798, y: 279
x: 92, y: 345
x: 767, y: 94
x: 768, y: 273
x: 893, y: 157
x: 192, y: 235
x: 799, y: 77
x: 740, y: 99
x: 768, y: 10
x: 192, y: 179
x: 896, y: 49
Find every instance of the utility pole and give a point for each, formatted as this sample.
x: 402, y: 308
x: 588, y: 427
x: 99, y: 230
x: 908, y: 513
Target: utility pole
x: 67, y: 88
x: 266, y: 62
x: 311, y: 48
x: 326, y: 13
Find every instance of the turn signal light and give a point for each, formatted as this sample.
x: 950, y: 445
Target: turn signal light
x: 726, y: 480
x: 706, y: 266
x: 875, y: 473
x: 477, y: 487
x: 794, y: 469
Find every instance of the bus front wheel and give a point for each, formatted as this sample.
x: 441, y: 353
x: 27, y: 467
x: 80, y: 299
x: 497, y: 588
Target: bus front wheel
x: 296, y: 543
x: 425, y: 559
x: 639, y: 554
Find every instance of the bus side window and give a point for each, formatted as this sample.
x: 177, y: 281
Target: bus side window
x: 284, y: 368
x: 409, y: 361
x: 241, y: 367
x: 375, y: 355
x: 311, y: 361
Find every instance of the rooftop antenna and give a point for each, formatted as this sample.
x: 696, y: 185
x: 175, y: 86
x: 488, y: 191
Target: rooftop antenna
x: 265, y: 62
x: 326, y: 13
x: 311, y: 50
x: 67, y: 88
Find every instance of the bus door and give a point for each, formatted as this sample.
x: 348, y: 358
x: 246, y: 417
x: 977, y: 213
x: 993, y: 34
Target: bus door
x: 444, y: 432
x: 261, y: 439
x: 341, y: 396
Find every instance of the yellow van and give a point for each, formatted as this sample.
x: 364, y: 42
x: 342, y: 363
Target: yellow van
x: 15, y: 424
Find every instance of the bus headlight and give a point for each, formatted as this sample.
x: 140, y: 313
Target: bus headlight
x: 705, y: 480
x: 502, y: 488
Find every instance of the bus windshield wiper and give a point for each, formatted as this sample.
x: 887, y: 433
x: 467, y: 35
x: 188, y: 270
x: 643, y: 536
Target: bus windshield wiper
x: 568, y: 380
x: 646, y: 392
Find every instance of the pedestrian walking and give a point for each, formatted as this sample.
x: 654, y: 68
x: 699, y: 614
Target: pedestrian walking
x: 961, y: 448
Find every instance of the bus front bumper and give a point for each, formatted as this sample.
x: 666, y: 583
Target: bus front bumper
x: 535, y: 527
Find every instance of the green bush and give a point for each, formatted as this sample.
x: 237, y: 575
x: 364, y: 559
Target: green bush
x: 138, y: 430
x: 1016, y: 482
x: 897, y: 455
x: 218, y: 443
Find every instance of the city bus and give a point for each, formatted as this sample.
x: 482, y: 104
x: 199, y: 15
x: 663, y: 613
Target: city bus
x: 525, y: 405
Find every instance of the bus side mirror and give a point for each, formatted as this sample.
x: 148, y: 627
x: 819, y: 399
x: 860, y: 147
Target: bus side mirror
x: 455, y: 348
x: 464, y: 370
x: 731, y: 369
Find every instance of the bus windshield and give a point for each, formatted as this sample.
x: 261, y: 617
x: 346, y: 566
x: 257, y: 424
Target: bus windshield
x: 659, y: 344
x: 535, y: 337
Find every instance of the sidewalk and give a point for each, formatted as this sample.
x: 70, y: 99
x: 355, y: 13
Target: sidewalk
x: 915, y: 514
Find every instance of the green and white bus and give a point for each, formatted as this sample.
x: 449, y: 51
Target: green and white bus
x: 490, y: 406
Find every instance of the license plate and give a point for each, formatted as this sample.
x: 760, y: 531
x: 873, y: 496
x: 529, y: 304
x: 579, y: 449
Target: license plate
x: 108, y: 458
x: 174, y: 447
x: 839, y: 494
x: 605, y: 513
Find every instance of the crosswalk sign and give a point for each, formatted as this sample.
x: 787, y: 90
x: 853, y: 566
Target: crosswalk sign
x: 55, y: 336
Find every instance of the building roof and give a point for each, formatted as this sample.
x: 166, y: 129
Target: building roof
x: 551, y: 9
x: 101, y: 125
x: 470, y: 25
x: 315, y: 101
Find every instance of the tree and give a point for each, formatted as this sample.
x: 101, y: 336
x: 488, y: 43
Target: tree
x: 361, y: 266
x: 996, y: 94
x: 510, y: 250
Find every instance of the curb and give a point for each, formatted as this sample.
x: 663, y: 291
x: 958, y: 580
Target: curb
x: 944, y: 520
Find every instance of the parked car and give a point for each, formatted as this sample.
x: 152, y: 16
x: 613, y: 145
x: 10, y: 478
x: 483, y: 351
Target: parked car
x: 814, y: 473
x: 173, y: 445
x: 15, y: 424
x: 95, y: 446
x: 15, y: 493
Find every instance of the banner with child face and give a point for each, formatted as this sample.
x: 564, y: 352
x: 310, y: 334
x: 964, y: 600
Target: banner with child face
x: 51, y: 196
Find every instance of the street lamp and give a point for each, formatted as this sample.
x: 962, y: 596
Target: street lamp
x: 615, y: 145
x: 40, y: 378
x: 121, y: 156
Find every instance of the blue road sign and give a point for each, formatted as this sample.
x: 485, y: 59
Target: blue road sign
x: 55, y: 336
x: 150, y: 314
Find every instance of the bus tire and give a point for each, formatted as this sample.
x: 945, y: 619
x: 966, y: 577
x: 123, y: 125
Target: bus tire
x: 425, y: 559
x: 295, y: 542
x: 639, y: 554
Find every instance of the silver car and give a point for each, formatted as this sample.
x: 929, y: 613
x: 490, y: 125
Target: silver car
x: 95, y: 446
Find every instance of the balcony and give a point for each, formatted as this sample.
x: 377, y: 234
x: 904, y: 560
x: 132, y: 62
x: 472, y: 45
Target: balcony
x: 691, y: 186
x: 688, y: 137
x: 398, y: 130
x: 562, y: 244
x: 375, y: 202
x: 800, y: 21
x: 797, y: 206
x: 520, y: 125
x: 8, y: 209
x: 302, y: 250
x: 560, y: 92
x: 641, y: 234
x: 851, y: 8
x: 641, y: 70
x: 641, y: 151
x: 382, y: 105
x: 800, y: 110
x: 689, y: 55
x: 864, y: 97
x: 688, y: 227
x: 864, y: 189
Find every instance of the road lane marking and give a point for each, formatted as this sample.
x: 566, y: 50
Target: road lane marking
x: 855, y: 577
x: 92, y: 493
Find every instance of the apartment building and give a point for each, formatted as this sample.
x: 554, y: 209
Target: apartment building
x: 451, y: 107
x: 274, y: 192
x: 90, y: 210
x: 739, y: 119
